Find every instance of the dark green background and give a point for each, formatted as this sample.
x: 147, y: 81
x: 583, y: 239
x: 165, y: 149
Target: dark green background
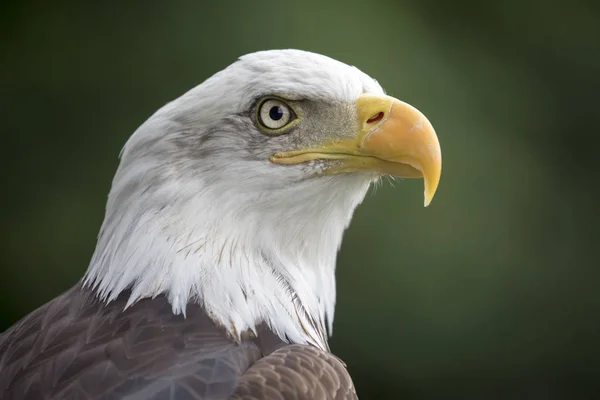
x: 492, y: 292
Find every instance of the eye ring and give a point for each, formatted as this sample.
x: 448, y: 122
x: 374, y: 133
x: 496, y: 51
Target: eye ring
x: 274, y: 115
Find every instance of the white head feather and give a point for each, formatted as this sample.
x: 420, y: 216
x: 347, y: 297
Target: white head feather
x: 199, y: 214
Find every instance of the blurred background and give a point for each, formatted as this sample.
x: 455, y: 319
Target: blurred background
x: 490, y: 293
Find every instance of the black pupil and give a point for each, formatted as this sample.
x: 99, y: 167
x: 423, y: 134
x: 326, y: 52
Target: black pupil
x: 276, y: 113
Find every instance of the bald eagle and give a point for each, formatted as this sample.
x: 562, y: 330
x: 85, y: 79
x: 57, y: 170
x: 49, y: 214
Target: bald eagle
x: 214, y: 271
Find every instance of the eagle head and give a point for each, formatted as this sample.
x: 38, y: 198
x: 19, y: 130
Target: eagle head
x: 236, y: 194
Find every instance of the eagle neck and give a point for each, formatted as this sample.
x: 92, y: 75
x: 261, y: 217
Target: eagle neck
x: 247, y: 259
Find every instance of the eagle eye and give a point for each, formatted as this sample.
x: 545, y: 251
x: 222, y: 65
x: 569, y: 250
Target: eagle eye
x: 274, y: 115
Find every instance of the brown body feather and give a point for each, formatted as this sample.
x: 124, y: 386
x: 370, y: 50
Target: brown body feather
x: 76, y: 347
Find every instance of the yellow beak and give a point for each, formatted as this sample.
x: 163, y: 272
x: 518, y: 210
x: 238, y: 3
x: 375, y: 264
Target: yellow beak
x: 393, y: 138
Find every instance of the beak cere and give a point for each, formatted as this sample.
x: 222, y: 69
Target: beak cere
x: 393, y: 138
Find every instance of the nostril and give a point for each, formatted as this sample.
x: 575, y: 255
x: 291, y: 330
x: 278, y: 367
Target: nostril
x: 375, y: 118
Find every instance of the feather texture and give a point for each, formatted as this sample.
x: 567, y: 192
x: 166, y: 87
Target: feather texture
x: 77, y: 347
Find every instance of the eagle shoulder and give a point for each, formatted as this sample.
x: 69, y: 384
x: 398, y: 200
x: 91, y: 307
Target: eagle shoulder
x: 296, y: 372
x: 77, y: 347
